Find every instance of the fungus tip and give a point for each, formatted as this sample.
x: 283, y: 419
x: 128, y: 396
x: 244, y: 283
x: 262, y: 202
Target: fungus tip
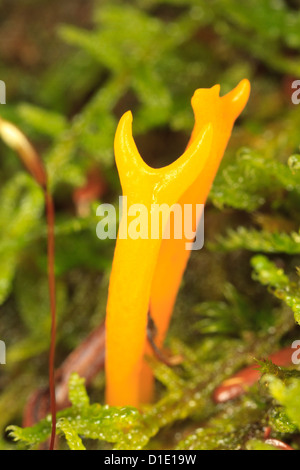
x: 238, y: 97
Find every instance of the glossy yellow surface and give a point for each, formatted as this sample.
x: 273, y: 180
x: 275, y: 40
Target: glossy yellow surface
x: 135, y: 260
x: 148, y: 272
x: 222, y: 112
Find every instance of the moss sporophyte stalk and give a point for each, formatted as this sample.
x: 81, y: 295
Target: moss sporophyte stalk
x: 17, y: 141
x: 146, y: 273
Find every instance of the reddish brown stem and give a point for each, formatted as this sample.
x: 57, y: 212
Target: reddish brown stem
x: 278, y: 444
x: 240, y: 382
x: 267, y: 432
x: 34, y: 164
x: 52, y: 294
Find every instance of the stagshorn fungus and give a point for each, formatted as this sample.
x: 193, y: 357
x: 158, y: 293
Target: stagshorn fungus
x: 146, y: 273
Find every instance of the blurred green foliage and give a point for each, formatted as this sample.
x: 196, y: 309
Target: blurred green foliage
x: 268, y: 274
x: 70, y: 77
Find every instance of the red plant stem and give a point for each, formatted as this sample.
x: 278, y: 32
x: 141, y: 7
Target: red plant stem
x: 52, y: 295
